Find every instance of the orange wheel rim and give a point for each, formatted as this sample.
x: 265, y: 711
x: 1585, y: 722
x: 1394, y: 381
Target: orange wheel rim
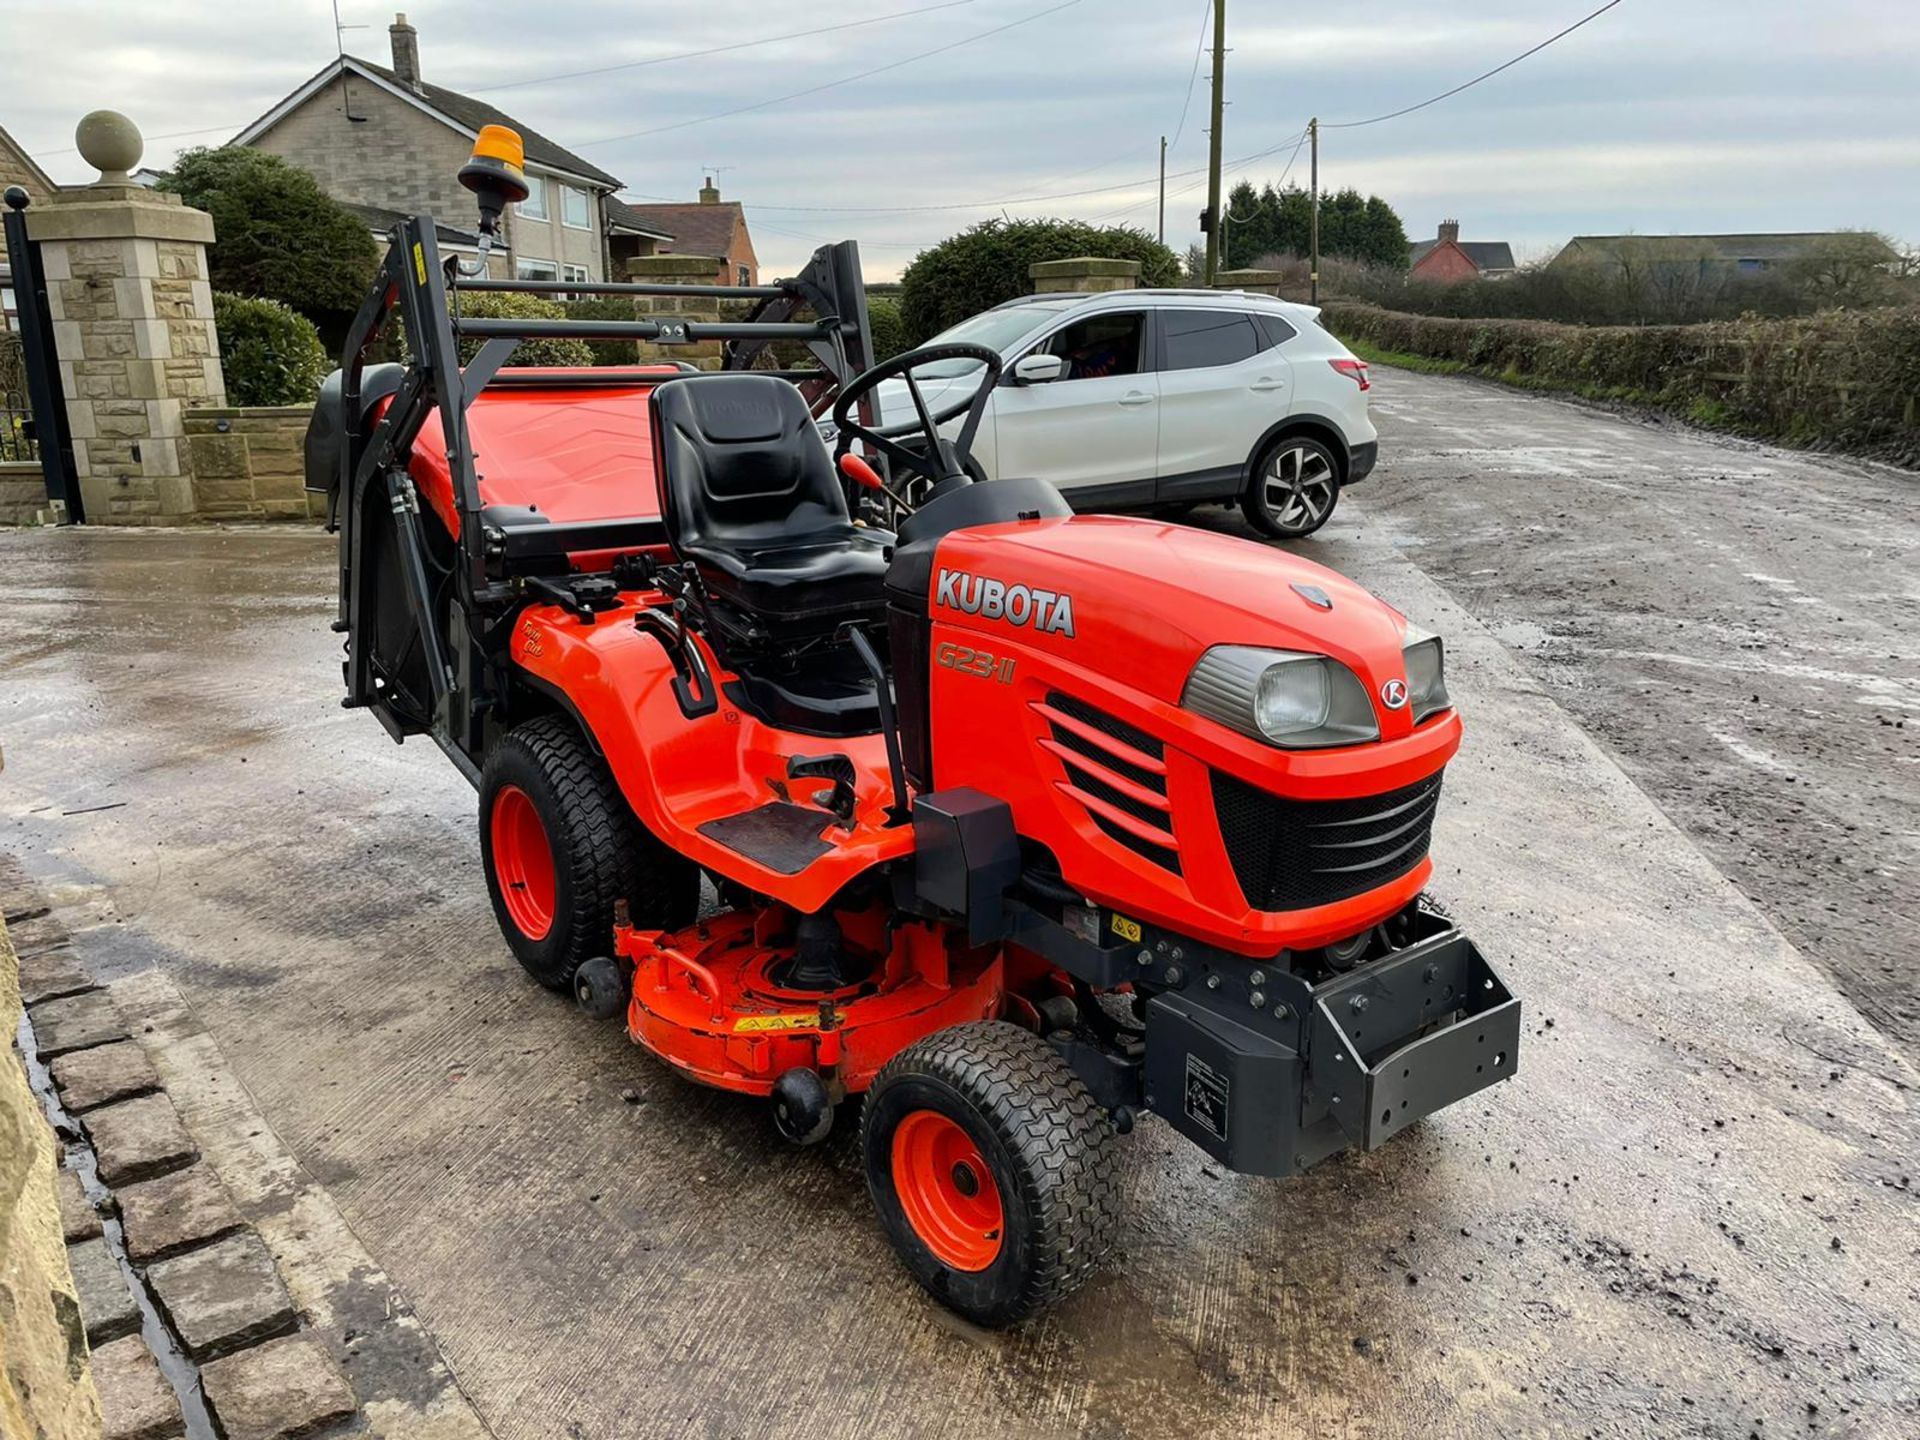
x: 947, y: 1191
x: 522, y: 862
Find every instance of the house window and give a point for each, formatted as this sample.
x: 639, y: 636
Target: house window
x: 525, y: 269
x: 576, y: 208
x: 534, y: 207
x: 576, y: 273
x: 742, y: 276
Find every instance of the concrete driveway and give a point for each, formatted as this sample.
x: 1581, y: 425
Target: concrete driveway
x: 1693, y: 1213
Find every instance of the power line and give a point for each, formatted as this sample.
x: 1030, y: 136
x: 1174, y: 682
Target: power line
x: 1199, y: 48
x: 1448, y: 94
x: 832, y: 84
x: 722, y: 49
x: 604, y: 69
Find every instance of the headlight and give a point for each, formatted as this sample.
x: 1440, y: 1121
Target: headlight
x: 1426, y: 662
x: 1304, y: 702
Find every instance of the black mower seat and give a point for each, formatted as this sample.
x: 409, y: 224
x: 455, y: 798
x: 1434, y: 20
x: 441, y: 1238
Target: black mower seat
x: 751, y: 499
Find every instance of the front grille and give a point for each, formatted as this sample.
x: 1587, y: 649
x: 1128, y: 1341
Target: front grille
x: 1108, y: 764
x: 1294, y: 854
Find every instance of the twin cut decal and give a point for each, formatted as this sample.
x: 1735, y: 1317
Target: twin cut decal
x: 1044, y: 610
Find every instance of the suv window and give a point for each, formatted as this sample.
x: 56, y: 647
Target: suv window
x: 1200, y: 339
x: 1276, y: 330
x: 1098, y: 347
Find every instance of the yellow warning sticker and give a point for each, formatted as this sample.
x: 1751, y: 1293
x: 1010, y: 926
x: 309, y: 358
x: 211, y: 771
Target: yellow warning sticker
x: 753, y: 1023
x: 1126, y: 929
x: 419, y: 262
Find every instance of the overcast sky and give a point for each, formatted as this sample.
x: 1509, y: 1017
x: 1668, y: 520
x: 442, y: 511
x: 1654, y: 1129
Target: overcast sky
x: 1661, y: 116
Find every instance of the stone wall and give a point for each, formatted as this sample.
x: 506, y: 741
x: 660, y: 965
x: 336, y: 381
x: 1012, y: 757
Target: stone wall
x: 247, y: 464
x: 46, y: 1389
x: 676, y: 270
x: 142, y: 352
x: 133, y: 324
x: 23, y: 492
x: 388, y: 154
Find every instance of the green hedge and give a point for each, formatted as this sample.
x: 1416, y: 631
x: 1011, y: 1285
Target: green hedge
x: 889, y: 333
x: 979, y: 268
x: 1843, y: 379
x: 270, y: 355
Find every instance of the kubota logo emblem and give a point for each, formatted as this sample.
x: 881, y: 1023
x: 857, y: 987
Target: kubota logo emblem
x: 1044, y: 610
x: 1394, y: 693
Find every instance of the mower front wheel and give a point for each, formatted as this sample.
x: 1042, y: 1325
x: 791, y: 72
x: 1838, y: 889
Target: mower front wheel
x: 560, y: 845
x: 993, y: 1170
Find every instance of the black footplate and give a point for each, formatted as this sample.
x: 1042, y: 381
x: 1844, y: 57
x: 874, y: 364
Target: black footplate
x: 780, y: 835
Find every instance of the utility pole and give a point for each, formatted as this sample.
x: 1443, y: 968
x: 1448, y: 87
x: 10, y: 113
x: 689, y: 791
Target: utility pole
x: 1213, y: 135
x: 1163, y: 189
x: 1313, y: 263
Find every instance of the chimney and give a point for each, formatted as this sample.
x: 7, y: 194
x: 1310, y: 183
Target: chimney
x: 406, y: 52
x: 1449, y: 230
x: 709, y: 193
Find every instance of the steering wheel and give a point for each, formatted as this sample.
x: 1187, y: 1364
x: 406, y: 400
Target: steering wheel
x: 942, y: 459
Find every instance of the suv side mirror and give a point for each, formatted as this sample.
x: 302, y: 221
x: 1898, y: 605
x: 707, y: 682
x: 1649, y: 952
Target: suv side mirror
x: 1038, y: 369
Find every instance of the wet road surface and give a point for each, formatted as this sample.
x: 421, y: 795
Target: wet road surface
x: 1739, y: 626
x: 1693, y: 1212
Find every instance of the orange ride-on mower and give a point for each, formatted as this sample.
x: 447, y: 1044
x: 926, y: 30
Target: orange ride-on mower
x: 1019, y: 824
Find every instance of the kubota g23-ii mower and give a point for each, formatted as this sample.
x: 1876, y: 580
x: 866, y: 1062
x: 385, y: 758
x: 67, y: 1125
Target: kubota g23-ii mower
x: 1021, y: 824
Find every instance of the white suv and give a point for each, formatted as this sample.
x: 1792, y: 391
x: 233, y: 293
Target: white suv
x: 1160, y: 398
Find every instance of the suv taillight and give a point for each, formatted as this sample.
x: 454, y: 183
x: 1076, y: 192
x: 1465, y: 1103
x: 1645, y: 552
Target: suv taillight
x: 1354, y: 370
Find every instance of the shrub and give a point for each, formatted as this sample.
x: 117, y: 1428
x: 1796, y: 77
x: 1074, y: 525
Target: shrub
x: 888, y: 330
x: 270, y: 354
x: 276, y: 233
x: 978, y: 268
x: 599, y: 307
x: 1841, y: 378
x: 513, y: 305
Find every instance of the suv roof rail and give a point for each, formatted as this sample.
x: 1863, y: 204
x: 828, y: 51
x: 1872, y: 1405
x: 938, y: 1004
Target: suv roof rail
x: 1190, y: 292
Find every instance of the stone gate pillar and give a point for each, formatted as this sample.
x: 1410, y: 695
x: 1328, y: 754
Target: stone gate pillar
x: 1083, y: 275
x: 126, y: 271
x: 677, y: 270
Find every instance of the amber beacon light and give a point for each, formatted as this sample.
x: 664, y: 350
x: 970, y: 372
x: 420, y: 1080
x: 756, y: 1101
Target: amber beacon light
x: 496, y: 173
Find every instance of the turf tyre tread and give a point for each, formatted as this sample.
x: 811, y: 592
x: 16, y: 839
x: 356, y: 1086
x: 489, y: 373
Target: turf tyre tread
x: 1047, y: 1138
x: 602, y: 853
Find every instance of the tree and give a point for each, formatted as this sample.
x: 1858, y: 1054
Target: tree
x: 1280, y: 222
x: 277, y: 235
x: 1850, y: 269
x: 978, y: 268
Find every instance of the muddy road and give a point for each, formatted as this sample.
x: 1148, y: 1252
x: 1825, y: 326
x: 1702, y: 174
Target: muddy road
x: 1693, y: 1212
x: 1739, y: 626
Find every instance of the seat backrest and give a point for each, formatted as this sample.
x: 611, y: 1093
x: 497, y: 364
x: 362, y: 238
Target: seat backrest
x: 742, y: 467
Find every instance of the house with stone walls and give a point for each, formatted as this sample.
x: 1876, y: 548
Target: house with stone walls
x: 708, y: 226
x: 16, y: 168
x: 385, y: 141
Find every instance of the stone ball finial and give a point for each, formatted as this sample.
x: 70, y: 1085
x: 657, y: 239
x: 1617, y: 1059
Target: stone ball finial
x: 111, y: 143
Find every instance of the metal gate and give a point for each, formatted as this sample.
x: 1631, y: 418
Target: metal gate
x: 33, y: 418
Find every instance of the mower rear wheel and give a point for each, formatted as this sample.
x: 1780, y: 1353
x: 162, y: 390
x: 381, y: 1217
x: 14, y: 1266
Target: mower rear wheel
x: 560, y: 845
x: 993, y: 1170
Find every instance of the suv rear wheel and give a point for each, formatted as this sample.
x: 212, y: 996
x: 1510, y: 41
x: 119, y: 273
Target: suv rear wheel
x: 1295, y: 485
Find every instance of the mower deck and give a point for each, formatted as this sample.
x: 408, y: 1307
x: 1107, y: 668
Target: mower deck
x: 713, y: 1000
